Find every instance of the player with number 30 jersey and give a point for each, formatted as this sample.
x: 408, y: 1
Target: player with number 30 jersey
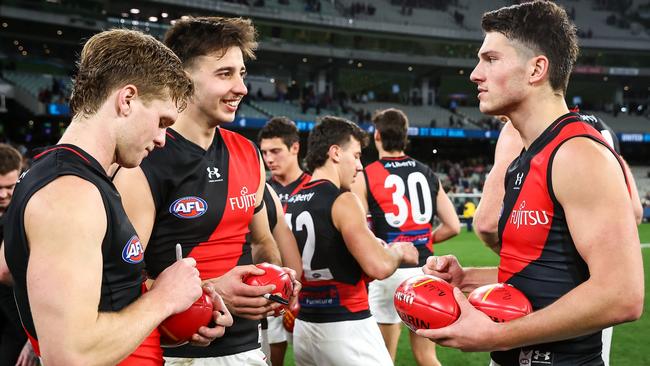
x: 403, y: 197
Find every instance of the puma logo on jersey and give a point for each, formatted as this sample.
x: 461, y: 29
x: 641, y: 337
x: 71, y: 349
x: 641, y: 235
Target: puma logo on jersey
x: 133, y: 251
x: 189, y: 207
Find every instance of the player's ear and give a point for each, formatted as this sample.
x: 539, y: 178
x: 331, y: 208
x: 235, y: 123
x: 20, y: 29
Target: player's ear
x: 334, y: 153
x: 538, y: 67
x: 295, y: 148
x: 124, y: 97
x: 376, y: 135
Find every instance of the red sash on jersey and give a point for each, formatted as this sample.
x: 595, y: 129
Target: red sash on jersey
x: 526, y: 233
x: 221, y: 252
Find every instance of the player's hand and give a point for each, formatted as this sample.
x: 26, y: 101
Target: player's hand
x: 241, y: 299
x: 179, y: 285
x: 222, y: 320
x: 407, y: 250
x: 445, y: 267
x: 297, y: 286
x: 472, y: 332
x: 27, y: 356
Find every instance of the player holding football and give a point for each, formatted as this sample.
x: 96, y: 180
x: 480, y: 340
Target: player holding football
x: 564, y: 223
x: 334, y: 325
x: 403, y: 196
x: 204, y: 190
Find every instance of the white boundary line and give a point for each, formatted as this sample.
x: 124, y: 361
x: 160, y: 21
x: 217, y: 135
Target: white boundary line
x: 645, y: 245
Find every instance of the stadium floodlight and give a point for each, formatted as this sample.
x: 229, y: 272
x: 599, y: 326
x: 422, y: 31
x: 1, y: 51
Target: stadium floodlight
x: 164, y: 15
x: 153, y: 19
x: 135, y: 11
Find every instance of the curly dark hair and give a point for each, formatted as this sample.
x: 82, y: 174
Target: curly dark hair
x: 545, y: 28
x: 331, y: 131
x: 280, y: 127
x: 392, y: 125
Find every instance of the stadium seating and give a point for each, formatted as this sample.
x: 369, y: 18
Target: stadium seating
x: 291, y: 110
x: 624, y: 122
x: 418, y: 115
x: 246, y: 110
x: 33, y: 83
x: 642, y: 178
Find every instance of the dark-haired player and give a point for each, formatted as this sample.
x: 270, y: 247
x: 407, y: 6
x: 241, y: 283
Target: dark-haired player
x: 568, y: 236
x: 280, y: 145
x: 339, y: 252
x: 403, y: 197
x: 204, y: 190
x: 509, y: 145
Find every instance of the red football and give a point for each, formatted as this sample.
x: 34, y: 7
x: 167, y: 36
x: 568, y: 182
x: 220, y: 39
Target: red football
x: 289, y: 317
x: 426, y: 302
x: 274, y: 275
x: 178, y: 328
x: 500, y: 301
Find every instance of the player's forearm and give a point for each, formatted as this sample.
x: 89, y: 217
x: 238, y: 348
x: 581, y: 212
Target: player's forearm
x: 266, y: 250
x: 290, y: 254
x: 586, y: 309
x: 474, y: 277
x: 391, y: 260
x: 444, y: 232
x: 491, y: 240
x: 112, y: 337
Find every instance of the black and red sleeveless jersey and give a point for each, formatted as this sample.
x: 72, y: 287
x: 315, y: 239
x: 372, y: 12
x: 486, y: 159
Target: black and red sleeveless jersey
x: 402, y: 196
x: 271, y: 212
x: 608, y: 133
x: 205, y: 201
x: 333, y: 283
x: 122, y: 252
x: 284, y: 192
x: 538, y: 255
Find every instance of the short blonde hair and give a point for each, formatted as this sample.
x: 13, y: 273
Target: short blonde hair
x: 114, y: 58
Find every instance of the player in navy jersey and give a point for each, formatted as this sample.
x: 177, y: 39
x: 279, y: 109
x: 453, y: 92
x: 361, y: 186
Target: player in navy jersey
x: 76, y: 260
x: 204, y: 190
x: 280, y: 144
x: 567, y: 231
x: 339, y: 253
x: 403, y: 196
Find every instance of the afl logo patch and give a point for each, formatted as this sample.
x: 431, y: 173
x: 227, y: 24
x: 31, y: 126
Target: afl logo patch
x: 133, y: 251
x: 189, y: 207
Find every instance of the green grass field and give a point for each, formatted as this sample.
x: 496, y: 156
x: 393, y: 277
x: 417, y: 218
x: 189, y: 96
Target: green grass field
x: 628, y: 339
